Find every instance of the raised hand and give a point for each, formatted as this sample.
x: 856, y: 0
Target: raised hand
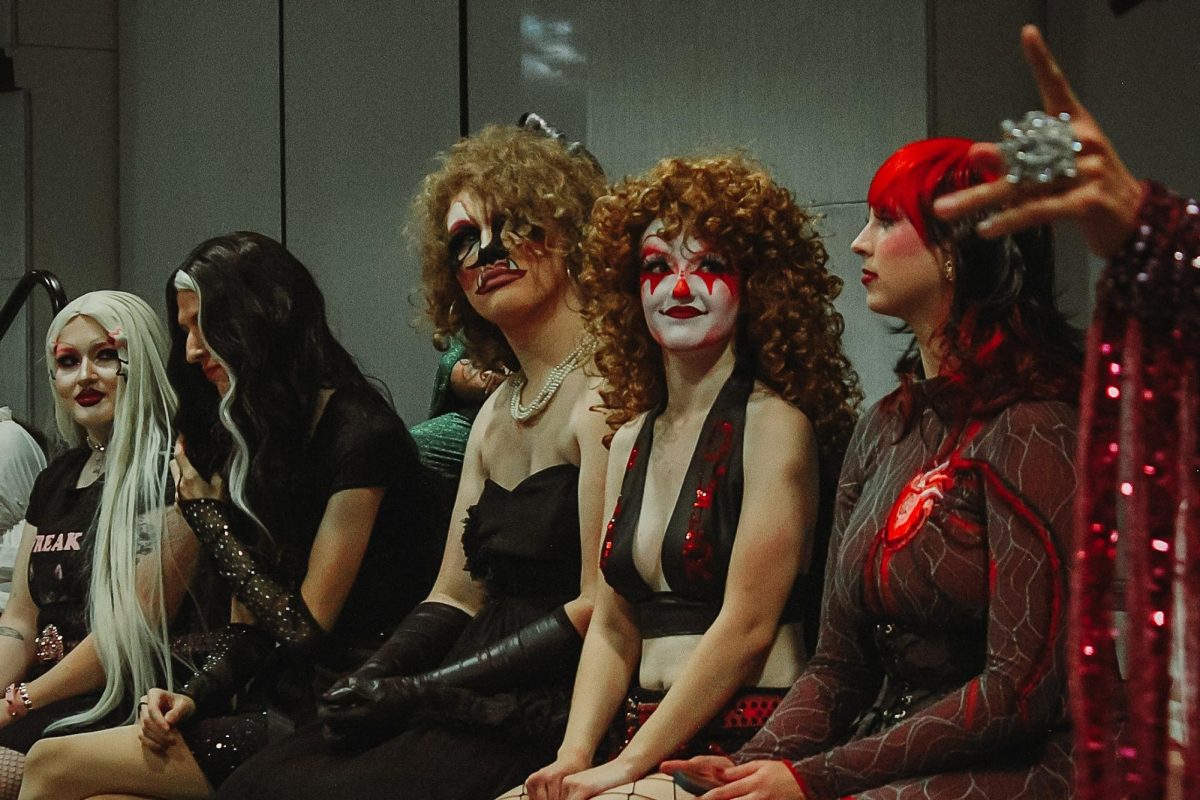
x: 1103, y: 198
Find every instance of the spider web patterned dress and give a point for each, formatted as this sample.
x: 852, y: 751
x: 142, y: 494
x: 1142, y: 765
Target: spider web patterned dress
x: 940, y: 670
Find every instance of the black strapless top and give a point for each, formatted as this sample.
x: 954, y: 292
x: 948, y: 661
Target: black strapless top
x: 525, y: 540
x: 698, y: 542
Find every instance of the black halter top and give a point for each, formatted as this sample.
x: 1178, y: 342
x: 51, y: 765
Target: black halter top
x: 698, y: 542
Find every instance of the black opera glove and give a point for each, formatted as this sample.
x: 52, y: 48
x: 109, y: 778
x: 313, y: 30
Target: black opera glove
x: 543, y: 650
x: 419, y: 642
x: 279, y: 611
x: 239, y: 653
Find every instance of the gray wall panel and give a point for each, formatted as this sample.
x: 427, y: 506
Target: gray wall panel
x: 1139, y: 76
x: 651, y: 80
x: 81, y: 24
x: 73, y: 173
x: 199, y: 130
x: 371, y: 95
x: 869, y: 342
x: 779, y: 79
x: 979, y: 75
x: 16, y: 357
x: 14, y: 183
x: 7, y: 18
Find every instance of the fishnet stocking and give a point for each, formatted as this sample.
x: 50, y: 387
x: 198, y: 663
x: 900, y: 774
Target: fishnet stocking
x: 653, y: 787
x: 12, y: 768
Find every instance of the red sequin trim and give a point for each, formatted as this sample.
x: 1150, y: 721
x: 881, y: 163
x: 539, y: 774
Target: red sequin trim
x: 698, y: 551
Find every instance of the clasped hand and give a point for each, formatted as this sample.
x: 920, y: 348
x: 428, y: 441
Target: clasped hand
x: 159, y: 715
x: 363, y: 701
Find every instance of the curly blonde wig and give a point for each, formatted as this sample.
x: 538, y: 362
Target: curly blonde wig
x: 788, y: 333
x: 527, y: 176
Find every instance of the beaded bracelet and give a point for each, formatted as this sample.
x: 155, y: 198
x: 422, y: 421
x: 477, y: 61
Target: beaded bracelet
x: 12, y: 693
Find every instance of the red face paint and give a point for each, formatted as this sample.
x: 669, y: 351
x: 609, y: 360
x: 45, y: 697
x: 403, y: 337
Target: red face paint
x: 687, y: 314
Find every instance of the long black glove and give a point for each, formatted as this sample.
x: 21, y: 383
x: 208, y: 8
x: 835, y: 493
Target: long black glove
x: 279, y: 611
x: 239, y: 653
x: 541, y: 651
x: 419, y: 642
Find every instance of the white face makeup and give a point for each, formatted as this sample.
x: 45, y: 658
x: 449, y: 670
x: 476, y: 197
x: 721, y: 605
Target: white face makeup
x: 690, y: 293
x: 483, y: 262
x: 87, y: 371
x: 502, y: 285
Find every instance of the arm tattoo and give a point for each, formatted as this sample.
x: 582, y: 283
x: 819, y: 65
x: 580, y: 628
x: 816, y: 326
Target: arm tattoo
x: 11, y: 633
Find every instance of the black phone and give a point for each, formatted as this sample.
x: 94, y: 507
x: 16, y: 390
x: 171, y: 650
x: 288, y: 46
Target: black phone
x: 690, y: 782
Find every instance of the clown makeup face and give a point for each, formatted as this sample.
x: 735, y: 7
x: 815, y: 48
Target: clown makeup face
x: 87, y: 372
x: 196, y: 349
x: 495, y: 279
x: 690, y: 292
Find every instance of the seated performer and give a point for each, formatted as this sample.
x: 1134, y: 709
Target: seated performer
x: 1144, y: 343
x: 85, y: 631
x: 22, y: 457
x: 325, y: 535
x: 733, y: 403
x: 470, y: 694
x: 941, y: 668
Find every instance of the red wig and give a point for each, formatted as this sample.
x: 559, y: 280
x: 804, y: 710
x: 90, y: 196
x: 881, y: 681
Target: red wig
x: 918, y: 172
x: 1006, y: 339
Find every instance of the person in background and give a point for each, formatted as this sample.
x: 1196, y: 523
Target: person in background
x: 22, y: 457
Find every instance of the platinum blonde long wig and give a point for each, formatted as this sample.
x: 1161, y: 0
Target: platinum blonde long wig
x: 126, y: 608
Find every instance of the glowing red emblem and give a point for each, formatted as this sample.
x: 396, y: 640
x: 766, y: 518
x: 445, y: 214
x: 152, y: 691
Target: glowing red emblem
x: 916, y: 502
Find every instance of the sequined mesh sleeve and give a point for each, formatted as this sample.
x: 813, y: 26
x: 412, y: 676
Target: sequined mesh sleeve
x: 279, y: 611
x: 1023, y: 463
x: 1156, y: 275
x: 842, y: 677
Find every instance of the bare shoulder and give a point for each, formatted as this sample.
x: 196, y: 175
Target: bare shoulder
x: 771, y: 418
x: 587, y: 416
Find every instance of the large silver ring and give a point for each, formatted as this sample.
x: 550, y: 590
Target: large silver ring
x: 1039, y: 148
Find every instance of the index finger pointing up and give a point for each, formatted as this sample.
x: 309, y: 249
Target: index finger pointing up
x: 1057, y: 95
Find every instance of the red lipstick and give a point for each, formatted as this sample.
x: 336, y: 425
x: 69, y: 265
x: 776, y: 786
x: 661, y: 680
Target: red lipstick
x: 495, y: 276
x: 683, y: 312
x: 89, y: 397
x: 868, y: 277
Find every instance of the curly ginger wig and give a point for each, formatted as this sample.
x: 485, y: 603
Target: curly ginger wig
x: 532, y: 179
x: 788, y: 332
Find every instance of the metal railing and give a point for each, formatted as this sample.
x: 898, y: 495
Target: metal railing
x: 20, y: 293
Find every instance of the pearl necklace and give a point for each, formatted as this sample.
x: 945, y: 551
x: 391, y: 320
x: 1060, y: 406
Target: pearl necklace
x: 523, y: 413
x: 92, y: 443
